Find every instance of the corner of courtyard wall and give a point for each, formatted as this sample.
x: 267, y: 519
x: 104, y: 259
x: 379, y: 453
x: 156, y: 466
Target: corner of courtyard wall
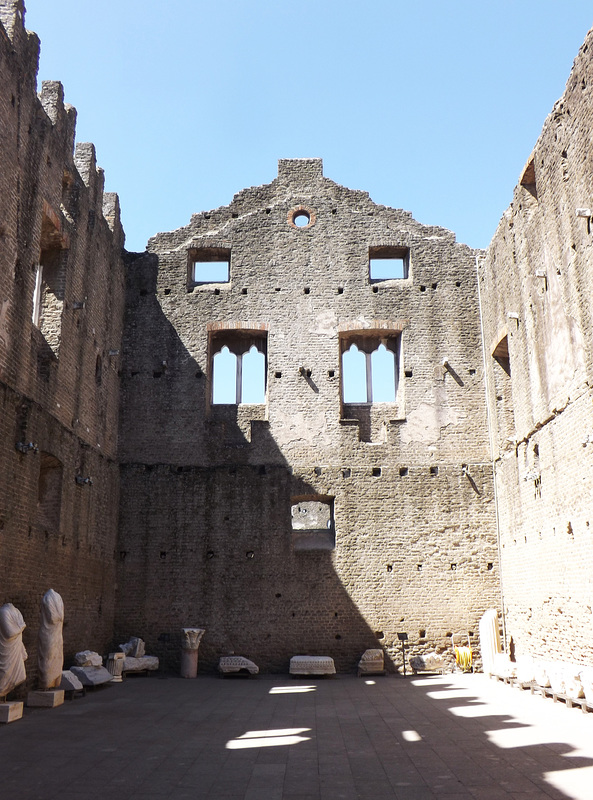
x: 481, y: 255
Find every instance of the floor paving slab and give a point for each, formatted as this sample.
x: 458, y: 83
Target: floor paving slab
x: 453, y: 737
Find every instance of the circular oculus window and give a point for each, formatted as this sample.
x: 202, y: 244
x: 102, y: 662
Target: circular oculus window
x: 301, y: 217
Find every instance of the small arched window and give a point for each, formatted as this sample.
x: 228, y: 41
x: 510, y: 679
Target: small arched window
x: 224, y: 377
x: 383, y: 381
x: 253, y: 376
x: 49, y: 491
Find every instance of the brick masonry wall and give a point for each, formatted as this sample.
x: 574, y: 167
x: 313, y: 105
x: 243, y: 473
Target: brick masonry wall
x: 59, y: 387
x: 535, y: 286
x: 206, y: 492
x: 205, y: 535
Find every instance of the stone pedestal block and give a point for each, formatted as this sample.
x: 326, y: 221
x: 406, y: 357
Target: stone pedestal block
x: 144, y: 664
x: 49, y: 699
x: 9, y: 712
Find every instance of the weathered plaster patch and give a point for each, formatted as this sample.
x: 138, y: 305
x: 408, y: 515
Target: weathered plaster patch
x: 426, y: 423
x: 326, y: 324
x: 299, y: 429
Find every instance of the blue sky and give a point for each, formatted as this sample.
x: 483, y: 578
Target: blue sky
x: 432, y: 107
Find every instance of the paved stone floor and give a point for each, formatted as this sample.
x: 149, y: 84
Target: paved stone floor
x: 277, y: 738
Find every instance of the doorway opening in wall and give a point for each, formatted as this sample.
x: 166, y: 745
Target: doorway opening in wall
x: 501, y: 372
x: 388, y: 263
x: 312, y: 522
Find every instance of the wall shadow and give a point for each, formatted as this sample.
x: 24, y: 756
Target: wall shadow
x: 205, y: 535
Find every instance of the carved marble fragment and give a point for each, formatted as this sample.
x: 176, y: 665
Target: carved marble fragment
x: 12, y: 650
x: 431, y: 662
x: 371, y: 662
x: 51, y: 644
x: 134, y: 648
x: 312, y: 665
x: 235, y: 664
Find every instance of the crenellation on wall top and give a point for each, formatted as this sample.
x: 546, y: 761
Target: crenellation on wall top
x: 111, y: 210
x: 12, y: 16
x: 85, y: 160
x: 70, y: 116
x: 51, y: 97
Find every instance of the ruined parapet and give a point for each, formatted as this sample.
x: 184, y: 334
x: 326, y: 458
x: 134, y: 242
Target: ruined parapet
x: 112, y: 211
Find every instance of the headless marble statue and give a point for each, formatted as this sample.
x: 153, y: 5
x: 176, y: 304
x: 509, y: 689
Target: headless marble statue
x: 51, y: 645
x: 12, y: 650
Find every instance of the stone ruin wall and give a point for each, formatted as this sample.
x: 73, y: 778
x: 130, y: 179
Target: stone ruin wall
x: 535, y: 286
x: 205, y: 517
x: 58, y: 382
x: 207, y: 490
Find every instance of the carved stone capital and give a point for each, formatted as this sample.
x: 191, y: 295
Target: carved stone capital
x: 191, y: 638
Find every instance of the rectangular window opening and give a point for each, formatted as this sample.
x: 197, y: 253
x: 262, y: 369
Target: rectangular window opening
x: 210, y: 265
x: 388, y: 263
x: 312, y: 522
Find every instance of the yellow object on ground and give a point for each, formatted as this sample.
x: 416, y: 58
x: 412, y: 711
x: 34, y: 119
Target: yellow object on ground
x: 463, y: 658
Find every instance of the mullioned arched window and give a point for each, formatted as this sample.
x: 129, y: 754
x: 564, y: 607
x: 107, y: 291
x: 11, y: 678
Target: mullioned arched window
x: 238, y: 368
x: 370, y: 369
